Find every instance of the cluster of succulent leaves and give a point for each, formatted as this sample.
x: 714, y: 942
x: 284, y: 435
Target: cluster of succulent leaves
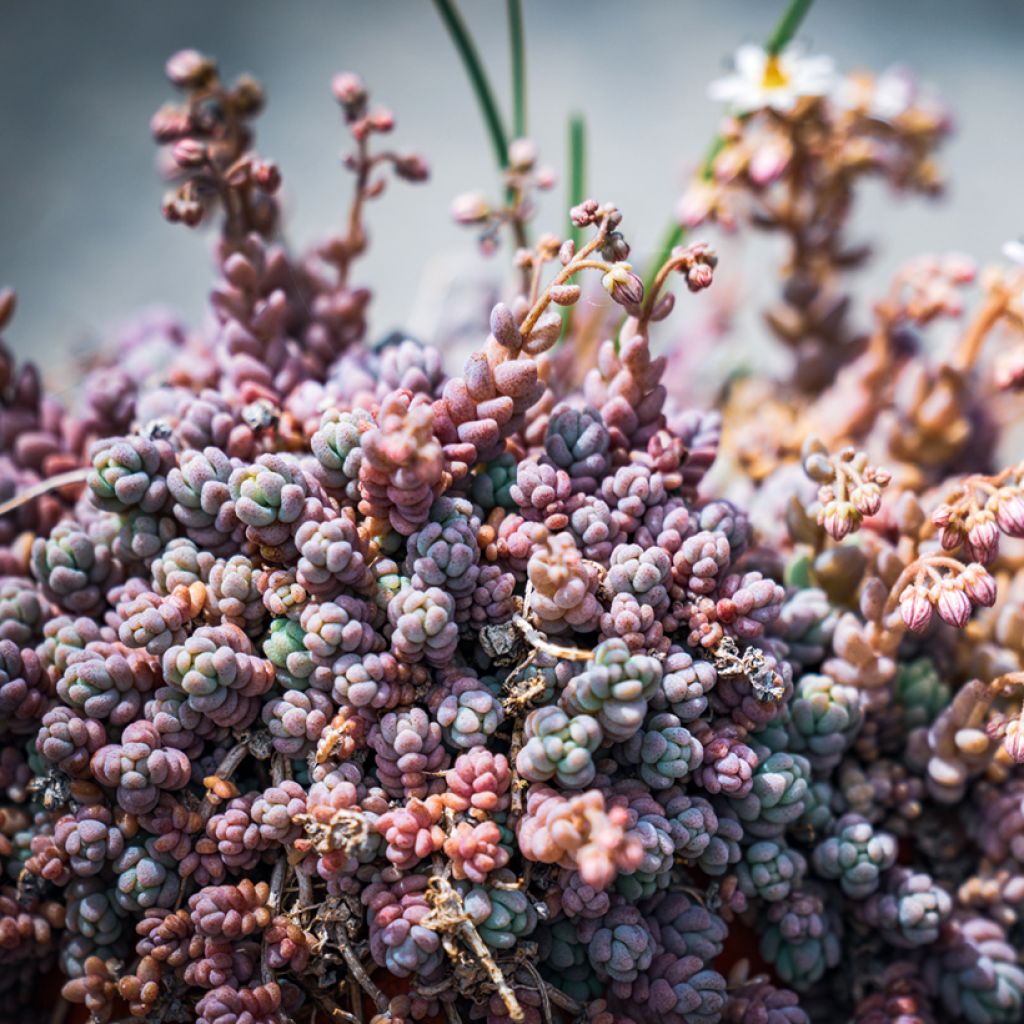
x: 349, y: 686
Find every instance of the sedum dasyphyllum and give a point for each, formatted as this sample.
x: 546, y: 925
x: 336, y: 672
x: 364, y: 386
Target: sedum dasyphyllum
x: 353, y: 678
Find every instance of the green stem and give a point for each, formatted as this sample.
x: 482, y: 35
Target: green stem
x: 673, y: 236
x: 577, y: 169
x: 517, y: 46
x: 707, y: 167
x: 786, y: 27
x: 478, y: 79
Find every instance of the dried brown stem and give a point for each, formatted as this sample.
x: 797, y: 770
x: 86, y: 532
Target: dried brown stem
x: 72, y: 476
x: 448, y: 917
x: 359, y: 972
x: 991, y: 312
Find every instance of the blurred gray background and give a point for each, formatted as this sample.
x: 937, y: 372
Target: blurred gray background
x: 82, y: 239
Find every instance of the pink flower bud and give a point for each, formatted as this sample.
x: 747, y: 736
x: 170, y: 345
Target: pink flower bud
x: 696, y: 205
x: 470, y: 208
x: 522, y: 154
x: 412, y: 167
x: 916, y: 608
x: 952, y: 604
x: 168, y: 124
x: 980, y: 586
x: 267, y: 176
x: 188, y: 153
x: 1013, y: 742
x: 189, y: 69
x: 983, y: 540
x: 348, y: 89
x: 867, y: 498
x: 838, y: 518
x: 1008, y: 373
x: 624, y: 286
x: 699, y: 277
x: 942, y: 515
x: 1010, y: 511
x: 768, y: 163
x: 585, y: 213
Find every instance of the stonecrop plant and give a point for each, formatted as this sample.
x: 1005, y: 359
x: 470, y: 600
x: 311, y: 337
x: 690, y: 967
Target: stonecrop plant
x: 338, y: 684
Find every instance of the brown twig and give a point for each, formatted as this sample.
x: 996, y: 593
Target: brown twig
x: 72, y: 476
x: 359, y: 972
x: 448, y: 917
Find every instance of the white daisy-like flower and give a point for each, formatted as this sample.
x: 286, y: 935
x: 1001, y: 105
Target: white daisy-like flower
x: 887, y: 96
x: 1014, y: 251
x: 776, y: 81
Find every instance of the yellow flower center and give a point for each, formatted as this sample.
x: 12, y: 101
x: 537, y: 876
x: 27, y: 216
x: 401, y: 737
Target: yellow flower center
x: 774, y: 77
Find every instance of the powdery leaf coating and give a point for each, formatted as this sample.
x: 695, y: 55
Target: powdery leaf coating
x: 24, y: 612
x: 825, y: 717
x: 686, y: 928
x: 578, y: 833
x: 621, y: 947
x: 88, y: 839
x: 770, y: 870
x: 909, y: 910
x: 68, y: 740
x: 145, y: 878
x: 664, y: 751
x: 200, y: 487
x: 331, y: 554
x: 802, y: 939
x: 24, y: 688
x: 683, y: 989
x: 479, y: 780
x: 564, y: 587
x: 271, y: 490
x: 502, y: 913
x: 73, y: 568
x: 469, y: 717
x: 402, y: 466
x: 412, y: 832
x: 139, y: 767
x: 856, y: 855
x: 728, y: 765
x: 616, y: 689
x: 217, y: 671
x: 130, y: 473
x: 543, y: 493
x: 476, y: 850
x: 296, y: 720
x: 409, y: 751
x: 559, y: 747
x: 258, y: 1005
x: 977, y: 975
x: 777, y: 796
x: 367, y: 681
x: 234, y: 592
x: 423, y: 625
x: 577, y: 441
x: 336, y: 445
x: 398, y: 941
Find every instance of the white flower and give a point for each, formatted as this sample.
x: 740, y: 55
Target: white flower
x: 887, y: 96
x: 1014, y: 251
x: 761, y: 80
